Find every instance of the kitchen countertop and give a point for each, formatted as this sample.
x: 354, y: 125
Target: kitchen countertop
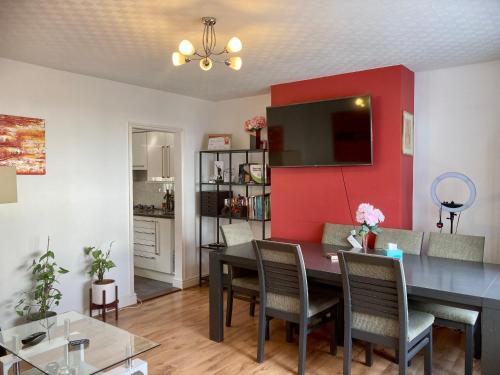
x: 159, y: 213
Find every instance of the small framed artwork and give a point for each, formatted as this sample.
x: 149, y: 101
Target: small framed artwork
x: 408, y: 134
x: 219, y: 142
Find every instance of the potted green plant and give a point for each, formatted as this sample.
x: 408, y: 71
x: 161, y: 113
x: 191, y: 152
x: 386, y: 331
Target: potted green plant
x: 38, y: 302
x: 100, y: 264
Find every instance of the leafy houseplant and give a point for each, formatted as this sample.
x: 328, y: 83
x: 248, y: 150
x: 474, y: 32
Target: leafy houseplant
x: 37, y: 303
x: 100, y: 264
x: 369, y: 217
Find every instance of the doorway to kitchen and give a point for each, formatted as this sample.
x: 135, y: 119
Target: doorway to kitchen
x: 154, y: 213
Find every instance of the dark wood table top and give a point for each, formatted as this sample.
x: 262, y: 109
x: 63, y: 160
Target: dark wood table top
x: 454, y: 281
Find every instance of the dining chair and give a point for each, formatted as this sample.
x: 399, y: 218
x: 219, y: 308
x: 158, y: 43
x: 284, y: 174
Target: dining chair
x: 284, y: 294
x: 461, y: 247
x: 243, y: 284
x: 408, y: 240
x: 376, y: 310
x: 336, y: 234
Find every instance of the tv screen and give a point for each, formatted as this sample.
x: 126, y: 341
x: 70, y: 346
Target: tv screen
x: 323, y: 133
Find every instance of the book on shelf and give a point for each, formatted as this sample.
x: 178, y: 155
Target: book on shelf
x: 259, y: 207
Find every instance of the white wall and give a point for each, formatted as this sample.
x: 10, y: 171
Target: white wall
x: 457, y: 128
x: 84, y: 197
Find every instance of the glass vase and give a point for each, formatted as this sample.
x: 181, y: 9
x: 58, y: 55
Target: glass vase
x: 365, y: 243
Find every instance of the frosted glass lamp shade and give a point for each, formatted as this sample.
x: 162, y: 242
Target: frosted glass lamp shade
x: 186, y: 47
x: 235, y: 63
x: 206, y: 64
x: 234, y: 45
x: 8, y: 185
x: 178, y: 59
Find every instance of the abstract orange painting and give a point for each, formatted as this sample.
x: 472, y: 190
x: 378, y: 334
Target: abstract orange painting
x: 22, y: 144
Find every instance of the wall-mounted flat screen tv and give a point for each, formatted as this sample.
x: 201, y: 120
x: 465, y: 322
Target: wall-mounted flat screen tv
x: 323, y: 133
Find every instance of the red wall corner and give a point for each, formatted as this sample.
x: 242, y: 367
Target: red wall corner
x: 305, y: 198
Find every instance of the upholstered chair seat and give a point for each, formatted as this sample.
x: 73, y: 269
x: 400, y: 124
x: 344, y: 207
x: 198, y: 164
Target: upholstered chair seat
x: 408, y: 240
x: 418, y: 322
x: 318, y: 301
x: 249, y: 282
x: 447, y: 312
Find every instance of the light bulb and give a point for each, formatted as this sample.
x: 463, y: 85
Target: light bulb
x: 186, y: 47
x: 359, y: 102
x: 234, y: 62
x: 206, y: 64
x: 234, y: 45
x: 178, y: 59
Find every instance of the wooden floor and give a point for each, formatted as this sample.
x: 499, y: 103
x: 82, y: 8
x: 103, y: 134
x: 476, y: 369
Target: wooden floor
x: 179, y: 322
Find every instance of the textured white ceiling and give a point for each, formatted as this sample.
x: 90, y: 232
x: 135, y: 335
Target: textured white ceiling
x: 284, y: 40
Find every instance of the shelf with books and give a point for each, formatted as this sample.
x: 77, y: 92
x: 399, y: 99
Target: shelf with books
x: 232, y: 197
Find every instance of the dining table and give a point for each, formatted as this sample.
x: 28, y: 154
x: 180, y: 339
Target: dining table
x: 471, y: 285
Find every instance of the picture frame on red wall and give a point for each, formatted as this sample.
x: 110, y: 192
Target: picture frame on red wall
x: 408, y: 134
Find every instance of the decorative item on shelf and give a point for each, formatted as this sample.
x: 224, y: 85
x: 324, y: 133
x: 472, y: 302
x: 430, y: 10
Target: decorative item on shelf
x: 408, y: 135
x: 38, y: 302
x: 207, y: 56
x: 369, y: 217
x: 22, y: 144
x: 251, y: 173
x: 254, y: 126
x: 244, y: 176
x: 219, y: 142
x: 229, y: 175
x: 219, y: 170
x: 237, y: 207
x: 104, y: 292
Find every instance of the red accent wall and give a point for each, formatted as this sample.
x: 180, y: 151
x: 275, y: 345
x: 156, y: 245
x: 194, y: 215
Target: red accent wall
x: 304, y: 199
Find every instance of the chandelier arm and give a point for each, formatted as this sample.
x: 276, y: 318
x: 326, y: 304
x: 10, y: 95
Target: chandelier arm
x: 221, y: 52
x: 214, y: 39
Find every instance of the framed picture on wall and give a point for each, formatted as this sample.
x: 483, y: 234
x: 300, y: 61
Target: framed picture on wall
x: 408, y: 134
x: 219, y: 142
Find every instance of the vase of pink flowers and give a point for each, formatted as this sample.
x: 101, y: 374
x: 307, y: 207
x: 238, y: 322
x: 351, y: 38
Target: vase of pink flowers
x: 369, y: 217
x: 254, y: 126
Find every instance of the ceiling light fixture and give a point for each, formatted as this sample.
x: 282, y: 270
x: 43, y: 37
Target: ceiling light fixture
x: 187, y: 52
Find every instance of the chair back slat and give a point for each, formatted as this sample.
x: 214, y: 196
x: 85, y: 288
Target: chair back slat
x: 374, y: 286
x: 281, y: 275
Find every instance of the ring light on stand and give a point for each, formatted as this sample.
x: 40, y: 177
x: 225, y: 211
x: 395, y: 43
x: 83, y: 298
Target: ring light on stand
x: 452, y: 207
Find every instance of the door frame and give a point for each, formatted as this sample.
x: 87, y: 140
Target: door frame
x: 179, y: 250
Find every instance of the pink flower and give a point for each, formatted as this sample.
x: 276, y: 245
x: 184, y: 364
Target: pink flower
x: 255, y: 123
x: 380, y: 216
x: 369, y: 215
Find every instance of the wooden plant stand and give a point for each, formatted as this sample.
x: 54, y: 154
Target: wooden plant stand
x: 104, y: 306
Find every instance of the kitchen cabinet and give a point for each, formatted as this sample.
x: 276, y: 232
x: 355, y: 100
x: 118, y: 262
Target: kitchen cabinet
x: 139, y: 151
x: 154, y: 244
x: 160, y: 153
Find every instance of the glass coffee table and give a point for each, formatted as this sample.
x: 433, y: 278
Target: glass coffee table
x: 107, y: 347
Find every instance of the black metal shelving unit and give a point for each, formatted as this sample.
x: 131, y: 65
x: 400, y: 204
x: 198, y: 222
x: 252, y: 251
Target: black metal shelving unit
x: 230, y: 184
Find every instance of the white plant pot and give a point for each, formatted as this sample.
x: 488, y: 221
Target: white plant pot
x: 107, y: 285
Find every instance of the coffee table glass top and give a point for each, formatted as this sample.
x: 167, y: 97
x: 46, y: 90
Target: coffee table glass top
x: 107, y: 346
